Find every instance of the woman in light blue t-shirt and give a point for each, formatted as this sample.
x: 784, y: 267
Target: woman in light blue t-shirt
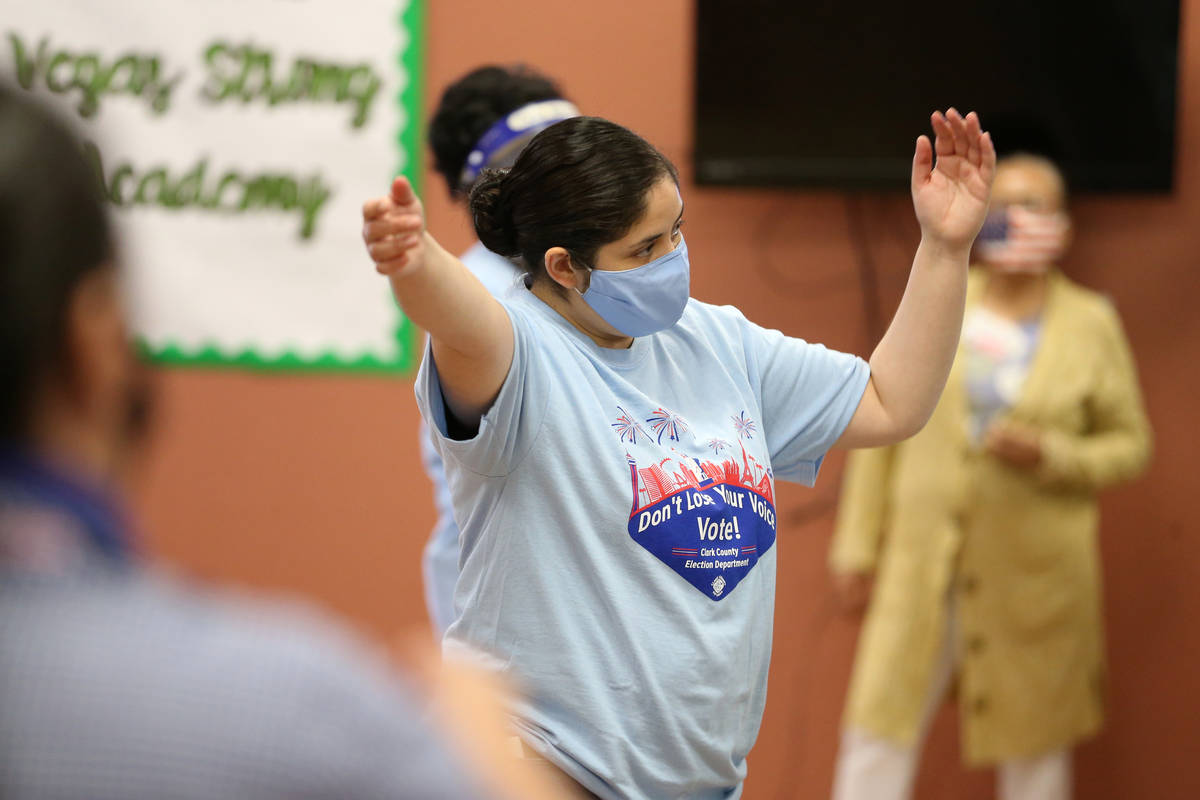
x: 482, y: 121
x: 612, y: 445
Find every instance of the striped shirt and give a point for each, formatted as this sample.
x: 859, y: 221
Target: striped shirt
x: 116, y: 682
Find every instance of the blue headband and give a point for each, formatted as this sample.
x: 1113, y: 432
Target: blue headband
x: 502, y: 142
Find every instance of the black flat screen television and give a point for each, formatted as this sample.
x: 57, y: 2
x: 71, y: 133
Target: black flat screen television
x: 833, y: 93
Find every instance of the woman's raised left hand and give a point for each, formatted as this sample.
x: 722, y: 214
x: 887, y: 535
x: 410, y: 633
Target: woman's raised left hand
x: 951, y: 195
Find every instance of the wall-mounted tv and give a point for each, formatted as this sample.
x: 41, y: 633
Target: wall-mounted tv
x: 813, y: 93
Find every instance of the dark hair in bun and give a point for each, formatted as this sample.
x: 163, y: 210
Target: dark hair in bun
x: 579, y: 184
x: 492, y: 213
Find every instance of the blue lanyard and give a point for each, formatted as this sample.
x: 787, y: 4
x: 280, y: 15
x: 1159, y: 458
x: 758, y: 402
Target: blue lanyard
x: 30, y: 479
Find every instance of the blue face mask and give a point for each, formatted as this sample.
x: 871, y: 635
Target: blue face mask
x: 645, y: 299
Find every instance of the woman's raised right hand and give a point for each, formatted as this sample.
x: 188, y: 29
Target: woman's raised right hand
x: 394, y: 228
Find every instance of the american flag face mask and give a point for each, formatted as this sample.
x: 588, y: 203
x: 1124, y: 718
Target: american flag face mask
x: 1016, y: 239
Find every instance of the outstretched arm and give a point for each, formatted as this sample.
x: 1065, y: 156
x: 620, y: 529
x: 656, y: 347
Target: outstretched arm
x: 471, y: 335
x: 911, y: 363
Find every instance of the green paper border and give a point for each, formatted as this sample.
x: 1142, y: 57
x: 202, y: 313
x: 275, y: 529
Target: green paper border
x: 411, y: 98
x: 409, y: 138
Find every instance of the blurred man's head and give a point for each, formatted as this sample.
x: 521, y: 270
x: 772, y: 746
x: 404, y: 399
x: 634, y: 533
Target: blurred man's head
x: 1029, y: 181
x: 69, y: 383
x: 1028, y: 228
x: 475, y: 106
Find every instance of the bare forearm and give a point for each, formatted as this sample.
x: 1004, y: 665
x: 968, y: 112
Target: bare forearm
x: 910, y: 365
x: 442, y: 296
x: 472, y: 338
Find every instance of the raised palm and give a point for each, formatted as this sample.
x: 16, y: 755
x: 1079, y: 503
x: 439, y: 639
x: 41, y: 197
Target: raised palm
x: 951, y: 195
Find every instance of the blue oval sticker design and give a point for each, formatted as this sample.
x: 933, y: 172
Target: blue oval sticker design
x: 708, y: 518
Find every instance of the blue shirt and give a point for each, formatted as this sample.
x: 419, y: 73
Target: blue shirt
x: 439, y: 562
x: 119, y: 683
x: 618, y: 536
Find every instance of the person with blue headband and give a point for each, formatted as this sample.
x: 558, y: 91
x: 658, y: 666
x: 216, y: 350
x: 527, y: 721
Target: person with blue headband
x: 612, y: 444
x: 483, y: 120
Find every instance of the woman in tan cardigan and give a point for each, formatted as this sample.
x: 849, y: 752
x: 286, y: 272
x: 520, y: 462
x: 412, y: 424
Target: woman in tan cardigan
x: 981, y: 529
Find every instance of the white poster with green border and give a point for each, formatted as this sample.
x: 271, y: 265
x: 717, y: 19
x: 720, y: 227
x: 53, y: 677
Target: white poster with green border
x: 237, y: 141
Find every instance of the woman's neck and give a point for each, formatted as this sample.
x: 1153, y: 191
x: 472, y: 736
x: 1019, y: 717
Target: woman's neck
x: 565, y: 308
x: 1016, y: 295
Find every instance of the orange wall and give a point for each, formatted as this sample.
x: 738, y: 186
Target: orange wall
x: 312, y: 484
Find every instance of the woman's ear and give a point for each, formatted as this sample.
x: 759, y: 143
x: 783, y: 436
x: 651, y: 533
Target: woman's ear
x: 562, y: 271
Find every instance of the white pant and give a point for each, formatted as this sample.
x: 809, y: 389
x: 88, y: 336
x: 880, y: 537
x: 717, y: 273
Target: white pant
x: 873, y: 768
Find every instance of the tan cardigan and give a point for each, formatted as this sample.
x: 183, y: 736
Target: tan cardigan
x: 934, y: 515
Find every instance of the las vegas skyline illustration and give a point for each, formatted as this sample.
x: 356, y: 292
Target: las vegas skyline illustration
x: 672, y: 475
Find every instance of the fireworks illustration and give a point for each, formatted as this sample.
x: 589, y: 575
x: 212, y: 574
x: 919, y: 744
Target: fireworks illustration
x: 744, y: 426
x: 664, y: 422
x: 718, y: 446
x: 628, y: 428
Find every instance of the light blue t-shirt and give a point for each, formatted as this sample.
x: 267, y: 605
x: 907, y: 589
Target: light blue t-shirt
x: 618, y: 528
x: 439, y: 562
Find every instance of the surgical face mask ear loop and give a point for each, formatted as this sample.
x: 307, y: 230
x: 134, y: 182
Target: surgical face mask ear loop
x: 642, y: 300
x: 587, y: 277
